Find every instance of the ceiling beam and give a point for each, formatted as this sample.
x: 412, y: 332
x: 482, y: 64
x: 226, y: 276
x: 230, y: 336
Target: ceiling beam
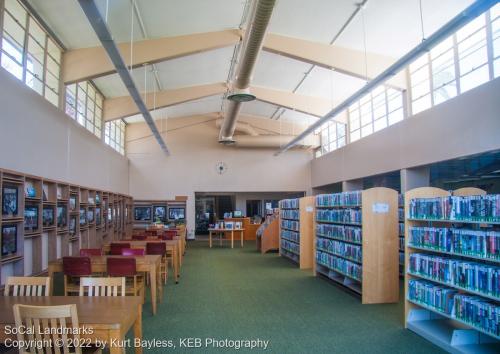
x: 124, y: 106
x: 89, y: 63
x: 344, y: 60
x: 315, y: 106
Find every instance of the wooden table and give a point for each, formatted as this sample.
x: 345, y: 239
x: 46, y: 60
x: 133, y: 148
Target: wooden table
x: 145, y: 264
x: 171, y: 245
x: 224, y: 231
x: 105, y: 315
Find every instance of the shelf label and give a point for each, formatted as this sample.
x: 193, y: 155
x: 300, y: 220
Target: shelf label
x: 380, y: 208
x: 309, y: 209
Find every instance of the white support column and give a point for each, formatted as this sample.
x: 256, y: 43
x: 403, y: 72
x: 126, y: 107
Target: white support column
x: 352, y: 185
x: 415, y: 177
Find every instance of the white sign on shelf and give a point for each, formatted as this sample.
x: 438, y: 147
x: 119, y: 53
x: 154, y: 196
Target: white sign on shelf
x: 309, y: 209
x: 380, y: 208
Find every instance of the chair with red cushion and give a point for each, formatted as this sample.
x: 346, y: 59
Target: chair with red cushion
x: 73, y: 269
x: 151, y: 233
x: 133, y: 252
x: 126, y: 267
x: 90, y: 252
x: 139, y: 237
x: 115, y: 249
x: 158, y: 248
x: 169, y: 234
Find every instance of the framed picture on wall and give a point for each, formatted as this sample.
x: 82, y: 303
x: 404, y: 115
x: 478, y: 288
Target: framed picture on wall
x: 31, y: 218
x: 10, y: 200
x: 72, y: 224
x: 160, y: 213
x: 48, y: 216
x: 72, y: 202
x: 83, y: 216
x: 142, y: 213
x: 176, y: 213
x: 98, y: 216
x: 62, y: 216
x: 9, y: 240
x: 29, y: 190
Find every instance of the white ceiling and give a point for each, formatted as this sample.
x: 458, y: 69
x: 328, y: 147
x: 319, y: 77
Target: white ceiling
x: 392, y: 28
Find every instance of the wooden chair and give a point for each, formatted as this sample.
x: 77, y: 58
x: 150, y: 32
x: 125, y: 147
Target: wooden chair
x: 126, y: 267
x: 74, y: 268
x: 27, y: 286
x: 102, y: 286
x: 133, y: 252
x: 158, y: 248
x: 90, y: 252
x: 139, y: 237
x: 64, y: 317
x: 115, y: 249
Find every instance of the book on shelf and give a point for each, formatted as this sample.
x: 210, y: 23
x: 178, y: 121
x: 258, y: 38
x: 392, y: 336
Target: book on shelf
x: 289, y: 203
x: 290, y: 235
x: 290, y: 214
x: 341, y: 232
x: 341, y: 265
x: 290, y: 225
x: 351, y: 216
x: 29, y: 190
x: 338, y: 248
x: 353, y: 198
x: 9, y: 239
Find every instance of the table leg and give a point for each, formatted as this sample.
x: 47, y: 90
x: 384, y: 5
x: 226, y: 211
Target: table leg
x: 232, y: 238
x: 154, y: 282
x: 51, y: 276
x: 210, y: 238
x: 241, y: 234
x: 221, y: 234
x: 160, y: 282
x: 176, y: 266
x: 138, y: 328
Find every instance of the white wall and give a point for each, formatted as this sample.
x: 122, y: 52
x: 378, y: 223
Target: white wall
x: 194, y: 155
x: 38, y: 138
x: 466, y: 125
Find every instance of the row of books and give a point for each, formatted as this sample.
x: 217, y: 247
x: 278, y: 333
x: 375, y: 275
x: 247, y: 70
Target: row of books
x: 341, y: 265
x: 401, y: 214
x: 341, y: 232
x: 401, y: 229
x: 401, y: 244
x: 290, y: 246
x: 290, y: 235
x: 289, y: 203
x: 471, y: 276
x: 477, y: 243
x: 401, y: 258
x: 468, y: 208
x: 290, y: 224
x: 339, y: 199
x: 350, y: 216
x: 474, y: 310
x: 401, y: 200
x: 289, y: 214
x: 340, y: 248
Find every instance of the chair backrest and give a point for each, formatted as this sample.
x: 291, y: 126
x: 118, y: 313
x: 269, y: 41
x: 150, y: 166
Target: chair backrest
x: 121, y: 267
x: 102, y: 286
x: 132, y: 252
x: 115, y: 249
x: 77, y: 266
x: 139, y: 237
x: 90, y: 252
x: 166, y: 237
x: 151, y: 232
x: 45, y: 318
x: 27, y: 286
x: 156, y: 248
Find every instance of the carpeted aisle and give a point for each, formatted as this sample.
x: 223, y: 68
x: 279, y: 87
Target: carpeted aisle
x: 238, y: 294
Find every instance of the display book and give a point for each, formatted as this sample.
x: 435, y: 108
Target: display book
x: 35, y: 223
x: 290, y: 229
x: 295, y: 230
x: 401, y: 233
x: 452, y: 281
x: 357, y: 242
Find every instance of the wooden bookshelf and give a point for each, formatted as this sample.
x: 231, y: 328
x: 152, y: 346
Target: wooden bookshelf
x: 303, y: 255
x: 270, y: 238
x: 41, y: 242
x: 401, y: 234
x: 379, y: 269
x: 441, y: 328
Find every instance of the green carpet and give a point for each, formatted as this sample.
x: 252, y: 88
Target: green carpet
x: 240, y: 294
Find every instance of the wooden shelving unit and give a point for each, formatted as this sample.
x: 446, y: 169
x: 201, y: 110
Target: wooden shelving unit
x: 41, y: 239
x: 299, y: 237
x: 444, y: 328
x: 340, y: 240
x: 401, y: 234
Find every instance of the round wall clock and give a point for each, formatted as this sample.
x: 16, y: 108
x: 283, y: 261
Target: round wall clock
x: 220, y: 167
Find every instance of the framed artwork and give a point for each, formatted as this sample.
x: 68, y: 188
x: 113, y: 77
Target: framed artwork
x: 98, y: 198
x: 59, y: 192
x: 29, y: 190
x: 83, y: 216
x: 9, y: 240
x: 45, y: 191
x: 72, y: 202
x: 10, y: 200
x: 160, y: 213
x: 142, y: 213
x: 98, y: 216
x: 90, y: 216
x: 72, y: 224
x: 176, y: 213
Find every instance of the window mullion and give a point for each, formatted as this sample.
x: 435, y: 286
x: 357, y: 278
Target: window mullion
x: 25, y: 46
x: 431, y: 79
x: 457, y: 64
x: 44, y: 73
x: 489, y: 45
x: 2, y: 14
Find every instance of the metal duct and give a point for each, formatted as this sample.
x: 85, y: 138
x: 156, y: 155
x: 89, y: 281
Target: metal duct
x: 261, y: 14
x: 272, y: 141
x: 241, y: 127
x: 99, y: 25
x: 470, y: 13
